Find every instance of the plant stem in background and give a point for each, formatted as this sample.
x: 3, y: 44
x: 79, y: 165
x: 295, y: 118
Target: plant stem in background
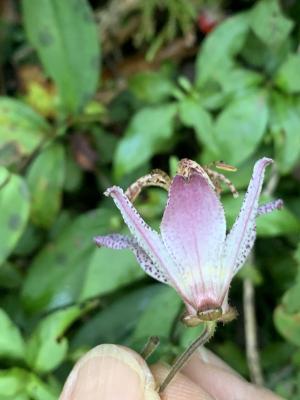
x: 207, y: 333
x: 251, y: 334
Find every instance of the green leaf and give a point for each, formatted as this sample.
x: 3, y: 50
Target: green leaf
x: 240, y: 127
x: 65, y: 36
x: 12, y: 345
x: 10, y: 276
x: 117, y: 321
x: 45, y: 179
x: 159, y: 317
x: 14, y: 212
x: 288, y: 325
x: 151, y: 86
x: 291, y: 298
x: 73, y: 174
x: 109, y: 270
x: 192, y: 114
x: 269, y: 23
x: 22, y: 130
x: 148, y: 131
x: 239, y: 80
x: 217, y: 52
x: 4, y: 176
x: 47, y: 347
x: 257, y: 54
x: 279, y: 222
x: 285, y: 128
x: 288, y: 77
x: 58, y: 272
x: 18, y: 384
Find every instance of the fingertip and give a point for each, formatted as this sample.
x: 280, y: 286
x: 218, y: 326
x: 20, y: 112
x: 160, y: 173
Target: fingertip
x: 110, y: 372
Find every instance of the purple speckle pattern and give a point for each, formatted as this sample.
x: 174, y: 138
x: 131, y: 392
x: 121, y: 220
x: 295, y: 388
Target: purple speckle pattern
x: 269, y: 207
x: 240, y: 239
x: 119, y: 242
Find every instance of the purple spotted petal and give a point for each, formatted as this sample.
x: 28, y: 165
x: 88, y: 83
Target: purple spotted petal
x: 269, y: 207
x: 146, y: 238
x: 240, y: 240
x: 193, y: 230
x: 119, y: 242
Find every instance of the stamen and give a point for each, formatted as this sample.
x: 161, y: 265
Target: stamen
x: 156, y: 178
x: 217, y: 177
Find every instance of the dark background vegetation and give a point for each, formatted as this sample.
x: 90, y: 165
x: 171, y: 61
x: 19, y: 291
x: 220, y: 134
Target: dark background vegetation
x: 99, y: 93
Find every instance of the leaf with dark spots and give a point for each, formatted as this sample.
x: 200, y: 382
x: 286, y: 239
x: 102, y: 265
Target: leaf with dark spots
x: 45, y: 38
x: 22, y: 130
x: 45, y: 179
x: 65, y: 46
x: 13, y: 220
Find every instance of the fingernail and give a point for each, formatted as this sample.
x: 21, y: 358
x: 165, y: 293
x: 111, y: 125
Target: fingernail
x: 109, y: 372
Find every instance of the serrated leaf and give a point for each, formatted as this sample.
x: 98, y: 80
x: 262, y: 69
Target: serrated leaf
x: 65, y: 36
x: 149, y: 130
x: 22, y: 130
x: 240, y: 127
x: 14, y: 212
x: 220, y: 47
x: 45, y: 179
x: 269, y: 23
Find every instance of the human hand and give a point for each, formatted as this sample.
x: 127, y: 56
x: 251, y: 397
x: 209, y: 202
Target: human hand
x: 110, y: 372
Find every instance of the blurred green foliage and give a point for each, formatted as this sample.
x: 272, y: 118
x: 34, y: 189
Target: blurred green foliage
x: 63, y: 142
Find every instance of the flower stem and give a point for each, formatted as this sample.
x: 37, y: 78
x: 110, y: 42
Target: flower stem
x: 207, y: 333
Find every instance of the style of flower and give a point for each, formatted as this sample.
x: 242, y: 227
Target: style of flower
x: 193, y: 253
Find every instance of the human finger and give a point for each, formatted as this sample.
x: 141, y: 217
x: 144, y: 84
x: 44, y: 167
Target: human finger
x: 222, y: 384
x: 110, y: 372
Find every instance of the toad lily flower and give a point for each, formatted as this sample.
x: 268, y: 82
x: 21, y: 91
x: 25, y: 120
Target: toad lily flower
x: 192, y: 253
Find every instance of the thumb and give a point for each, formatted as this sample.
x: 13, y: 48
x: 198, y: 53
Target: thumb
x: 110, y: 372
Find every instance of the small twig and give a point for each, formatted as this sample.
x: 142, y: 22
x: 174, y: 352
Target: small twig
x: 251, y: 333
x: 150, y: 347
x: 185, y: 356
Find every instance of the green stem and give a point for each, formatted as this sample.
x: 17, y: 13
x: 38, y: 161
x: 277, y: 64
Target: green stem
x: 207, y: 333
